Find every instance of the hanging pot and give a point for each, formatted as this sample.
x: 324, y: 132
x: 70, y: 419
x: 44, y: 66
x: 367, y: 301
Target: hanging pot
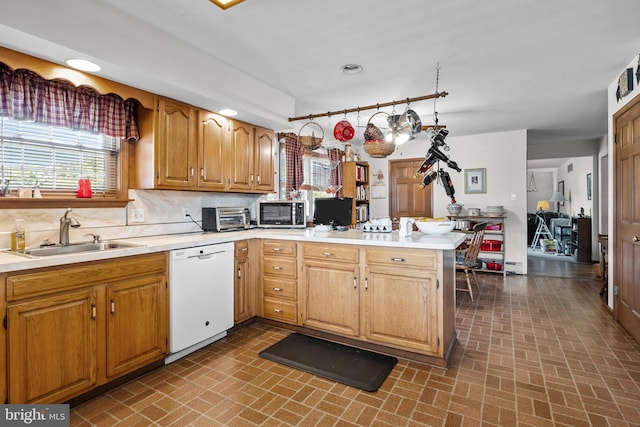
x: 405, y: 126
x: 343, y: 131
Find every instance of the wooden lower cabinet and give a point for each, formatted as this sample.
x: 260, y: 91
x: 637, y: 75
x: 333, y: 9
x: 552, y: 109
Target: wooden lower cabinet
x: 401, y: 308
x: 386, y: 296
x: 72, y: 328
x: 52, y: 347
x: 243, y: 290
x: 135, y: 332
x: 331, y: 289
x: 279, y: 272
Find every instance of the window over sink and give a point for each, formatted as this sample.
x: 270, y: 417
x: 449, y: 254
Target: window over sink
x: 55, y: 158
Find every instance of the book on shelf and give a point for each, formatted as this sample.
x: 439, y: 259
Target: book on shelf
x: 361, y: 173
x: 362, y: 213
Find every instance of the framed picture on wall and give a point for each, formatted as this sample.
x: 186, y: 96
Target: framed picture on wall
x: 475, y: 180
x: 561, y: 191
x: 588, y: 186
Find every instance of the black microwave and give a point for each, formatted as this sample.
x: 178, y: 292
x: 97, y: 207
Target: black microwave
x: 282, y: 214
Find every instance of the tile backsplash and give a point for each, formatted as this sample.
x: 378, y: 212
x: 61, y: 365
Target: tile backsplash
x: 162, y: 211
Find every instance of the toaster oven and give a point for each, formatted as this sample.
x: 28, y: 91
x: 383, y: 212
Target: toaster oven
x: 225, y: 219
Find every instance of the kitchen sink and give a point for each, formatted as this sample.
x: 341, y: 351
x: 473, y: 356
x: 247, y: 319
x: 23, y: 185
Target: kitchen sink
x: 76, y: 248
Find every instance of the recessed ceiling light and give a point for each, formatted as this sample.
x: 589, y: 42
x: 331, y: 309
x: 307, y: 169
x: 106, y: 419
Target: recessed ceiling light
x: 226, y: 4
x: 82, y: 64
x: 228, y: 112
x: 351, y: 68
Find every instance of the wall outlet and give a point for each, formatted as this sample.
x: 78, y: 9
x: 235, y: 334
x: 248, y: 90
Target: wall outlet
x: 137, y: 215
x: 186, y: 214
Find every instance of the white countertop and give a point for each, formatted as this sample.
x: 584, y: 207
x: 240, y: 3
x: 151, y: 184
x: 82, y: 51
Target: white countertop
x: 15, y: 262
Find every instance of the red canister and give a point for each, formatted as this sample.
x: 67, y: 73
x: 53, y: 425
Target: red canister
x: 84, y: 188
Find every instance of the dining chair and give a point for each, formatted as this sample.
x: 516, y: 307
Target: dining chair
x: 466, y: 258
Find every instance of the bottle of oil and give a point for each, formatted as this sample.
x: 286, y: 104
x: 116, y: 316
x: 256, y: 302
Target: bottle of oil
x: 18, y: 238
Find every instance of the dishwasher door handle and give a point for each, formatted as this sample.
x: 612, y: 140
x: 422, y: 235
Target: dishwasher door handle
x: 206, y: 256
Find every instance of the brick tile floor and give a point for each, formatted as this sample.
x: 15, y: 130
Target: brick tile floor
x: 532, y: 351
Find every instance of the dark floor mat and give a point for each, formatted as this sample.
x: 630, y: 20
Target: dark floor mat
x: 347, y: 365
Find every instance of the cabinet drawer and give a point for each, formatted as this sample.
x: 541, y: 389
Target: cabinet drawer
x: 282, y: 267
x: 342, y: 253
x: 279, y: 247
x: 415, y: 258
x: 277, y: 288
x: 283, y: 311
x: 241, y: 248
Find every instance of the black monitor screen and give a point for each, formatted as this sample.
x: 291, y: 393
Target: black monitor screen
x: 332, y: 211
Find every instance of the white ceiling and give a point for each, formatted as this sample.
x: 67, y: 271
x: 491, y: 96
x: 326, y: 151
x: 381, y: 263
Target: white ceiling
x: 541, y: 65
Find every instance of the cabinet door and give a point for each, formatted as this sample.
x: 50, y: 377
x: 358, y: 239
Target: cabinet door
x: 213, y: 136
x: 52, y: 347
x: 243, y: 291
x: 176, y: 145
x: 263, y: 160
x: 241, y: 157
x: 331, y: 297
x: 401, y: 307
x: 136, y: 324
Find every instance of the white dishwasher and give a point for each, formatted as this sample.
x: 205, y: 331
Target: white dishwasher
x: 200, y: 297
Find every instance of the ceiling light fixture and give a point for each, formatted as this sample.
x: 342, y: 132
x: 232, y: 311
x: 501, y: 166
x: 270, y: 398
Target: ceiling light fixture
x: 351, y: 68
x: 225, y: 4
x: 228, y: 112
x: 82, y: 64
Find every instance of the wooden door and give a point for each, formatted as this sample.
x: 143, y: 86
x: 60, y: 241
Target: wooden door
x: 626, y: 275
x: 406, y: 198
x: 241, y: 157
x: 242, y: 309
x: 176, y: 144
x: 137, y: 323
x: 263, y: 160
x: 331, y: 297
x: 52, y: 347
x: 213, y: 136
x: 401, y: 307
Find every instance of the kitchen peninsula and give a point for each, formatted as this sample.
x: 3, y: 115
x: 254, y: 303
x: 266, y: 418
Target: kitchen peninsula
x: 375, y: 290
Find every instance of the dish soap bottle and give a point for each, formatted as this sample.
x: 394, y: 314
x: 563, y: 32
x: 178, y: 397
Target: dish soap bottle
x: 18, y: 238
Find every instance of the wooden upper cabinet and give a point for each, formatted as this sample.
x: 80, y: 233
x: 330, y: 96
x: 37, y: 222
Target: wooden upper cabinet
x: 263, y: 159
x: 185, y: 148
x: 213, y: 139
x: 176, y: 144
x: 241, y: 161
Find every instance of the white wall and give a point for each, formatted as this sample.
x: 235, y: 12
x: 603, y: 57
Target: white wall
x: 575, y: 185
x: 504, y: 155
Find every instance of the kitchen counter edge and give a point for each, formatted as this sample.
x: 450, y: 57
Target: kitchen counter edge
x: 10, y: 262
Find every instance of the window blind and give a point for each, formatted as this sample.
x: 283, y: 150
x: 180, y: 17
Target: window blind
x: 56, y: 157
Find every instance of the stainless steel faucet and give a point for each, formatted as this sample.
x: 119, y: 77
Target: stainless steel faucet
x: 65, y: 222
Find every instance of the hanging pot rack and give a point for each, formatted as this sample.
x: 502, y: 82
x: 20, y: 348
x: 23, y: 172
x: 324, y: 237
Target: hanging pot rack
x: 370, y: 107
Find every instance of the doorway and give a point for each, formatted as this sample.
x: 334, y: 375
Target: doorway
x: 626, y: 214
x: 406, y: 197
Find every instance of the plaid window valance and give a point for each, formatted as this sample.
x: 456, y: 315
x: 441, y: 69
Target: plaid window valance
x: 25, y: 95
